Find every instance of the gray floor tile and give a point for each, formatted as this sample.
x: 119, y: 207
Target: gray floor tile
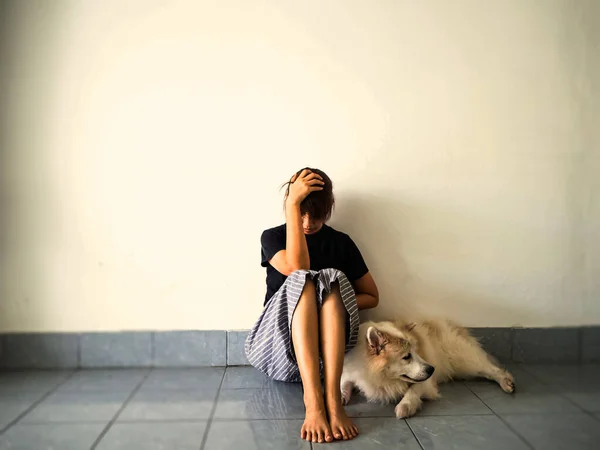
x: 587, y: 398
x: 359, y: 407
x: 530, y: 397
x: 187, y: 379
x: 554, y: 431
x: 169, y: 405
x: 50, y: 436
x: 280, y: 403
x: 378, y: 433
x: 18, y: 383
x: 522, y: 377
x: 256, y: 435
x: 246, y: 378
x: 10, y: 409
x: 456, y: 400
x: 563, y: 375
x: 464, y: 433
x: 154, y: 436
x: 77, y: 407
x: 122, y: 380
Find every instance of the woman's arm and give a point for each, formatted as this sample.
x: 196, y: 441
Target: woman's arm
x: 296, y: 250
x: 295, y: 256
x: 367, y: 295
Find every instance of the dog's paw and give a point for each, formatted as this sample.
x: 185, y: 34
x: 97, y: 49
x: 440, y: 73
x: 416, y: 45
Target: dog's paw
x: 405, y: 409
x: 507, y: 383
x: 346, y: 389
x: 346, y: 396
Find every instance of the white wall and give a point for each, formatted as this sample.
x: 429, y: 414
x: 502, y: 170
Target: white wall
x: 590, y: 215
x: 143, y: 143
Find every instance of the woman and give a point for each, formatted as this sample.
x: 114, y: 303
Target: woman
x: 317, y: 281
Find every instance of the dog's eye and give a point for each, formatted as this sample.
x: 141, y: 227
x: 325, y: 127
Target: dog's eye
x: 407, y: 356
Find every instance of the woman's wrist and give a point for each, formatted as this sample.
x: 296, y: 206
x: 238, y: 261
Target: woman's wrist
x: 292, y: 203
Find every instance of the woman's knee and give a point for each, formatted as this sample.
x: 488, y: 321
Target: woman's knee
x: 331, y: 273
x: 332, y: 301
x: 334, y: 291
x: 301, y: 277
x: 299, y: 273
x: 309, y: 289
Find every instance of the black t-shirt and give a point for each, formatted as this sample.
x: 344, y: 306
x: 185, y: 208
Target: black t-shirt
x: 328, y: 248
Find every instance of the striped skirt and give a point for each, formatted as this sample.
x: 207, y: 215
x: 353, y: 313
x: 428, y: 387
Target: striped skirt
x: 269, y: 343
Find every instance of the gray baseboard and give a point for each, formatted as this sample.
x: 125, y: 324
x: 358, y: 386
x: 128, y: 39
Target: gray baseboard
x: 220, y: 348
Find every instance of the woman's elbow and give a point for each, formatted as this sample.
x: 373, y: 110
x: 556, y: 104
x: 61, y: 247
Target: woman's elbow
x: 375, y: 300
x: 291, y: 268
x: 375, y: 295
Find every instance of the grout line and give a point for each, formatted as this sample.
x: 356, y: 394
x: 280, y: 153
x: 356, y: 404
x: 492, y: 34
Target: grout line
x: 473, y: 392
x: 212, y: 413
x: 226, y: 419
x: 510, y: 346
x: 515, y: 432
x: 555, y: 391
x: 226, y: 348
x: 232, y: 420
x: 550, y: 386
x: 506, y: 424
x: 69, y: 422
x: 515, y: 353
x: 580, y: 345
x: 513, y: 332
x: 523, y: 367
x: 79, y: 338
x: 152, y: 348
x: 414, y: 434
x: 37, y: 402
x: 590, y: 413
x: 118, y: 413
x: 204, y: 420
x: 563, y: 395
x: 149, y: 421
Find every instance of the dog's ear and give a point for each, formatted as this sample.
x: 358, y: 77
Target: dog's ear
x: 410, y: 326
x: 377, y: 340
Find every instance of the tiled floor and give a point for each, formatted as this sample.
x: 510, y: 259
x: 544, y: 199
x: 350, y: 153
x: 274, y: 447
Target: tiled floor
x: 555, y: 407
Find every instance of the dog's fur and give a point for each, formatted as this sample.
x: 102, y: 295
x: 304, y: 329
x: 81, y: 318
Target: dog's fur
x: 394, y: 360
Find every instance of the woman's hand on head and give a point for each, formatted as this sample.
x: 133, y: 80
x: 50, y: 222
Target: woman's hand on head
x: 303, y: 184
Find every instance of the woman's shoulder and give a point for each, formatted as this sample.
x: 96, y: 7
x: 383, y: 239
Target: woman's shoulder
x: 275, y: 231
x: 344, y: 241
x: 339, y: 235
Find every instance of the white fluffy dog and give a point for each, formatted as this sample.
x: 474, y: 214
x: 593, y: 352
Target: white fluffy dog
x: 394, y: 360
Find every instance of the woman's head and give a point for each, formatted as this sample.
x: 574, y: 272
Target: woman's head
x: 317, y: 207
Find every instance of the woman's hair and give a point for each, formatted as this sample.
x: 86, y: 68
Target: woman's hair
x: 318, y: 204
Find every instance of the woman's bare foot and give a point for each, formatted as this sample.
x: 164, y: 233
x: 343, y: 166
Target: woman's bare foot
x: 341, y: 426
x: 315, y: 427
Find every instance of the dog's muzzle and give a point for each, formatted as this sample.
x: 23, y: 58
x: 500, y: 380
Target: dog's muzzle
x: 427, y: 374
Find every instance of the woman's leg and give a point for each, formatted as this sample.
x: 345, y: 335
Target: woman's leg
x: 333, y: 343
x: 305, y: 338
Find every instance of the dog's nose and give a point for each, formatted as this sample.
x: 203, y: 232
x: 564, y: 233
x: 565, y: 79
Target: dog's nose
x: 430, y: 370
